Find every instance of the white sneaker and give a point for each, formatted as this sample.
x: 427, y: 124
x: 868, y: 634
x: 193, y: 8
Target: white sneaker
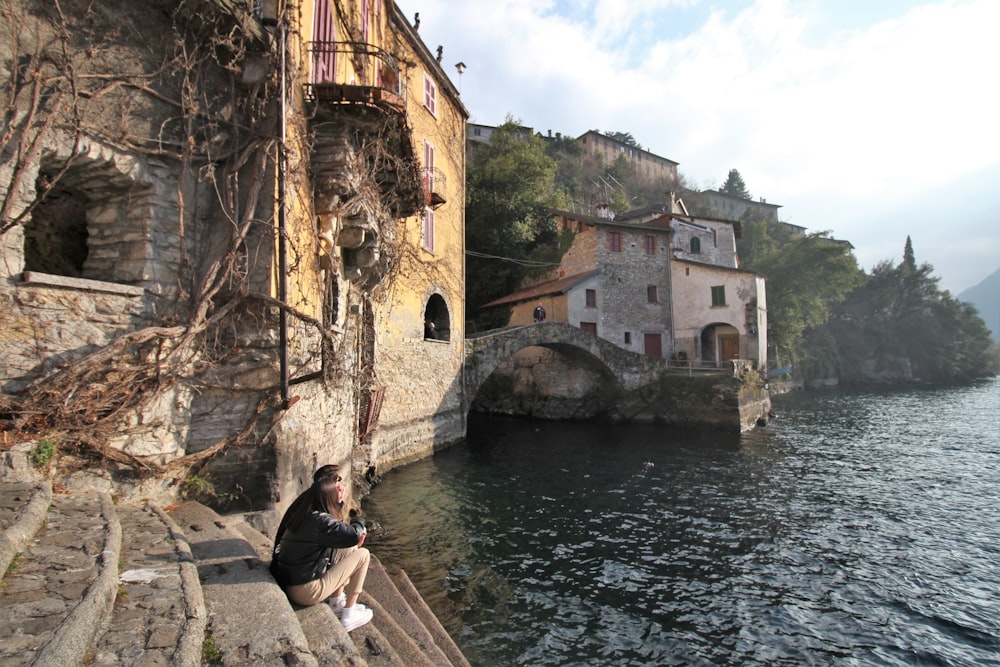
x: 356, y: 616
x: 337, y: 604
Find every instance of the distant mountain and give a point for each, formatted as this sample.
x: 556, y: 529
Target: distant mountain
x: 986, y: 298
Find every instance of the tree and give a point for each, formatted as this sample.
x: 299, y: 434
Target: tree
x: 625, y: 138
x: 899, y: 319
x: 804, y: 279
x: 759, y: 238
x: 735, y: 186
x: 510, y: 189
x: 909, y: 259
x: 571, y: 166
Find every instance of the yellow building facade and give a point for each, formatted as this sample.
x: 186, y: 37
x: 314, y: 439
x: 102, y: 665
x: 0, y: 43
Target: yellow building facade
x: 379, y: 103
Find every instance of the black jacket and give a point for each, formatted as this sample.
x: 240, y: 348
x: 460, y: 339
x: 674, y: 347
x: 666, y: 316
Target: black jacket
x: 305, y: 554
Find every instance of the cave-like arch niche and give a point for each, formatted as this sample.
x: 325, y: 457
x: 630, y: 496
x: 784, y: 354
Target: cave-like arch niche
x: 55, y: 241
x: 437, y: 322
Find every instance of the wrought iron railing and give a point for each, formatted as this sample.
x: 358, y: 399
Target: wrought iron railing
x: 354, y: 72
x: 434, y: 186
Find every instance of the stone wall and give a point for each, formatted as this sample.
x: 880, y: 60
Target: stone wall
x: 625, y: 280
x: 547, y: 384
x: 717, y: 242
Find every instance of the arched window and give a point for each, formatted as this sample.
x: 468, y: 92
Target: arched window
x: 437, y: 322
x: 695, y: 245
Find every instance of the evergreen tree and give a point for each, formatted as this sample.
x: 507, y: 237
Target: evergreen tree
x: 909, y: 260
x: 735, y: 186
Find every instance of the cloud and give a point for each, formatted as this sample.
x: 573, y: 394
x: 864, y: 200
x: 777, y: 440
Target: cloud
x: 824, y: 115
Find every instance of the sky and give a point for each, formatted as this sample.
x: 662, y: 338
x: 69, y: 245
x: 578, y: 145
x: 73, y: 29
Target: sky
x: 870, y: 119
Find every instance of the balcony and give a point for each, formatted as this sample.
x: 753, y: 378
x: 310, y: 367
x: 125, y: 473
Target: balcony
x: 354, y: 73
x: 434, y: 187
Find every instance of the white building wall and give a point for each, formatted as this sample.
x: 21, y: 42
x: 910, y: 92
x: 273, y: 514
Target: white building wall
x: 693, y: 309
x: 576, y: 302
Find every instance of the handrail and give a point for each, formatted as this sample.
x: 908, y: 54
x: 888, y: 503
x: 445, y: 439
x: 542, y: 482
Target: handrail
x: 353, y: 64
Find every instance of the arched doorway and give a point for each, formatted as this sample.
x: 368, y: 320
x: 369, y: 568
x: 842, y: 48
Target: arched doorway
x: 720, y: 344
x: 437, y: 321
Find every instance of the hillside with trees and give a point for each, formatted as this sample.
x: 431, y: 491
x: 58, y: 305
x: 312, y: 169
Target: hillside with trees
x: 827, y: 317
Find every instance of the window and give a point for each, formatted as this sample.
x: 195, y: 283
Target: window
x: 591, y: 298
x: 325, y: 34
x: 614, y: 241
x: 628, y: 337
x: 589, y: 327
x: 719, y: 295
x: 695, y: 245
x: 430, y: 94
x: 428, y: 230
x: 651, y: 296
x: 428, y: 169
x: 365, y: 19
x: 649, y: 244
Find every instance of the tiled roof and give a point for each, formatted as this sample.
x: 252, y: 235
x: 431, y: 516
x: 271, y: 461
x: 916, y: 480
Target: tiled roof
x: 558, y: 286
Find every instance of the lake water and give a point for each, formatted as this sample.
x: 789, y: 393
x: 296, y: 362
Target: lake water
x: 855, y: 529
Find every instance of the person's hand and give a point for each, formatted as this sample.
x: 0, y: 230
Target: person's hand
x: 362, y: 540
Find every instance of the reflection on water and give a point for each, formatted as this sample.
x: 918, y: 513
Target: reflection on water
x: 855, y: 529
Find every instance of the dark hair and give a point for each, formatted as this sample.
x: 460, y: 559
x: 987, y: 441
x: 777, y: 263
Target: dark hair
x: 326, y: 497
x: 329, y: 470
x: 321, y: 496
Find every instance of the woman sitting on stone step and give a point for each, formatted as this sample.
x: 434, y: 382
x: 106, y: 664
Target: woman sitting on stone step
x: 318, y: 553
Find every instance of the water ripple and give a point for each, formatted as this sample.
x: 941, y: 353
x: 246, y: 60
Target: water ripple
x: 856, y: 529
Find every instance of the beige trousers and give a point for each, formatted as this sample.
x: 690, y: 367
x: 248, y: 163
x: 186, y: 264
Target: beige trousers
x: 348, y: 571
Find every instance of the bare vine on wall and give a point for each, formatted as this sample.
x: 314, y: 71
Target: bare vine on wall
x: 70, y: 83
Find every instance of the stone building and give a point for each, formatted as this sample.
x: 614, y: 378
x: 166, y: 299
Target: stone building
x: 646, y: 165
x: 661, y: 284
x: 718, y: 204
x: 221, y: 236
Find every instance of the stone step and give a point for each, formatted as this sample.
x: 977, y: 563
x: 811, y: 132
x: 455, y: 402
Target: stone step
x: 397, y: 635
x: 107, y: 585
x: 159, y: 616
x: 419, y: 607
x: 58, y: 593
x: 397, y: 620
x: 250, y: 621
x: 23, y: 508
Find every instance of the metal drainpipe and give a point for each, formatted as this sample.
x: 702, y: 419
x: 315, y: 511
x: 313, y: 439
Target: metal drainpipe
x: 282, y: 246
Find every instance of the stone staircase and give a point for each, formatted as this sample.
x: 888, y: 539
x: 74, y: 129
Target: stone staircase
x: 86, y: 581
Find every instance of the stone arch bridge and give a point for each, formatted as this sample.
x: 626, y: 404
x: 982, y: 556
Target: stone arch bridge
x: 646, y: 387
x: 485, y: 351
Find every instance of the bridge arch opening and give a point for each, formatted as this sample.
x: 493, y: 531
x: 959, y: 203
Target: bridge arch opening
x: 549, y: 381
